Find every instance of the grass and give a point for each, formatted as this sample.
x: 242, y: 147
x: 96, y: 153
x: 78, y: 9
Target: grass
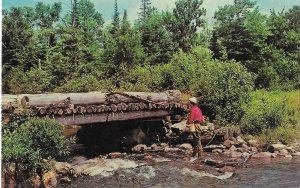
x: 284, y: 133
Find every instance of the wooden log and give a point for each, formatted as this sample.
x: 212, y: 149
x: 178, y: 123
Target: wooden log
x: 80, y: 119
x: 94, y: 98
x: 42, y: 110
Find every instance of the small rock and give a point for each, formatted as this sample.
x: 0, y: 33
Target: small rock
x: 262, y: 155
x: 65, y: 180
x: 288, y: 156
x: 232, y: 148
x: 115, y: 155
x: 186, y: 146
x: 253, y: 143
x: 239, y: 139
x: 236, y: 155
x: 273, y: 155
x: 244, y: 145
x: 62, y: 167
x: 227, y: 143
x: 284, y: 152
x: 254, y: 149
x: 296, y: 154
x: 226, y: 169
x: 242, y: 150
x: 211, y: 162
x: 245, y: 154
x: 278, y: 147
x: 217, y: 151
x: 49, y: 179
x: 139, y: 147
x: 154, y: 146
x: 212, y: 147
x: 227, y: 152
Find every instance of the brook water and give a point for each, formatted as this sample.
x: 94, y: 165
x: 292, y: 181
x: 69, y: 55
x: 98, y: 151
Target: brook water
x: 181, y: 173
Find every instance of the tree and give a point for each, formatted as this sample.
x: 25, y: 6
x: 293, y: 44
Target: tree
x: 156, y: 40
x: 185, y: 21
x: 146, y: 9
x: 115, y: 20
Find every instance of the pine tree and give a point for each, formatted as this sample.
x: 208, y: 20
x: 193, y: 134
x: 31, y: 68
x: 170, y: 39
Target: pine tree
x: 145, y: 8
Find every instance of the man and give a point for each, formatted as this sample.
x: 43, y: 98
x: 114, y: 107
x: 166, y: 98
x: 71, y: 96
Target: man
x: 194, y: 119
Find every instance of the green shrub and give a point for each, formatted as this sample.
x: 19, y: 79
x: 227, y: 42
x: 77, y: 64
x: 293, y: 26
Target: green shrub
x: 84, y: 83
x: 272, y: 114
x: 33, y: 81
x: 222, y: 89
x: 27, y: 143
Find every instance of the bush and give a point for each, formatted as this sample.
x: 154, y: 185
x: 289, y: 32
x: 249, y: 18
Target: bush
x: 27, y: 143
x: 222, y: 89
x: 33, y: 81
x: 272, y: 115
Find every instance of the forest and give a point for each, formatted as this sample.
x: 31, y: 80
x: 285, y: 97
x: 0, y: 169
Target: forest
x: 47, y: 50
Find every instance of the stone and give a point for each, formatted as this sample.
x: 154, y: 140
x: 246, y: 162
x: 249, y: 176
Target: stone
x: 240, y: 140
x: 139, y: 147
x: 217, y: 151
x: 283, y: 152
x: 62, y: 167
x: 288, y: 156
x: 242, y: 150
x: 296, y: 154
x: 115, y: 155
x: 49, y: 179
x: 186, y: 146
x: 278, y: 147
x: 227, y: 143
x: 225, y: 169
x: 253, y: 143
x: 236, y: 155
x: 262, y: 155
x: 65, y: 180
x: 212, y: 147
x: 36, y: 181
x: 227, y: 152
x: 212, y: 162
x: 254, y: 149
x: 78, y: 160
x: 154, y: 147
x: 273, y: 155
x: 244, y: 145
x: 245, y: 154
x: 232, y: 148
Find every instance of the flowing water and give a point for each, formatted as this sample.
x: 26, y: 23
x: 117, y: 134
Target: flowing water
x: 179, y: 174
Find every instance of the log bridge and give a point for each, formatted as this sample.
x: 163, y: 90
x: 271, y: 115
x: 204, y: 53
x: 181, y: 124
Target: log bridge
x: 95, y: 107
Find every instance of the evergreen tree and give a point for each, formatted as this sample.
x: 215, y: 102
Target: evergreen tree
x: 184, y: 22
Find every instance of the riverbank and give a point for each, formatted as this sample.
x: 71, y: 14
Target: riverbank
x: 148, y: 166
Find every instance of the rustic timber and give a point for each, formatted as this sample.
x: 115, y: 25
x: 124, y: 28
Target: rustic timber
x: 103, y: 117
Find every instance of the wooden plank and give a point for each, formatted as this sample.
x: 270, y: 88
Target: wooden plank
x: 80, y: 119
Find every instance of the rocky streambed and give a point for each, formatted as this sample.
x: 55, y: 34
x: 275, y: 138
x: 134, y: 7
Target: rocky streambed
x: 163, y: 165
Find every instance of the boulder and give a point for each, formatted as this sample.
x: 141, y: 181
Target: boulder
x: 49, y: 179
x: 296, y: 154
x: 212, y: 147
x: 154, y: 147
x: 225, y: 169
x: 186, y: 146
x: 245, y: 154
x: 278, y: 147
x: 236, y: 154
x: 227, y: 143
x: 283, y: 152
x: 232, y: 148
x: 288, y: 156
x: 262, y: 155
x: 62, y: 168
x: 65, y: 180
x: 240, y: 140
x: 115, y: 155
x: 227, y: 152
x: 139, y: 147
x: 254, y: 149
x: 217, y: 151
x: 253, y: 143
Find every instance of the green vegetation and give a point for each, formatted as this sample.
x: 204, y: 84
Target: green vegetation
x: 274, y: 116
x: 29, y: 144
x: 246, y: 50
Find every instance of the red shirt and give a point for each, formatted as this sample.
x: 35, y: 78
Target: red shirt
x: 195, y: 115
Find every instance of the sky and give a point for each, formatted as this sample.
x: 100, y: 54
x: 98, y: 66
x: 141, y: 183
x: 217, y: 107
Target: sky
x: 106, y: 7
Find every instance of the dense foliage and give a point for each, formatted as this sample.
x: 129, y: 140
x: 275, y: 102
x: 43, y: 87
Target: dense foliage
x: 44, y: 51
x: 27, y: 143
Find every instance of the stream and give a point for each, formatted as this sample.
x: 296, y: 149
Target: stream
x: 181, y: 174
